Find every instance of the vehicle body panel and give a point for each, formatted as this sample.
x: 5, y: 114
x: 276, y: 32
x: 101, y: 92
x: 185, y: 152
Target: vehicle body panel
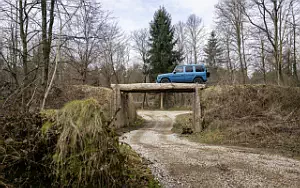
x: 188, y: 75
x: 178, y: 76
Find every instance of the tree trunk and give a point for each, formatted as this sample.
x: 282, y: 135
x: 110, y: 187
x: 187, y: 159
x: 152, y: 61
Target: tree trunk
x: 230, y: 68
x: 244, y: 54
x: 113, y: 68
x: 239, y: 43
x: 195, y: 55
x: 295, y: 74
x: 47, y: 37
x: 263, y: 60
x: 23, y: 36
x: 277, y: 44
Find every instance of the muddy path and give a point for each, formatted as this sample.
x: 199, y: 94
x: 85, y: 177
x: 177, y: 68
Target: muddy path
x: 177, y: 162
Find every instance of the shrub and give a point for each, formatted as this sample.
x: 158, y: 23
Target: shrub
x: 25, y: 154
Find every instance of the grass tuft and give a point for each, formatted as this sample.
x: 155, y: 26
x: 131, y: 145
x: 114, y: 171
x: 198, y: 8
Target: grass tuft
x: 87, y: 151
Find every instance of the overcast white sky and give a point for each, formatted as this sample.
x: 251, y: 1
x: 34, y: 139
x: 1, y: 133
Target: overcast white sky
x: 136, y: 14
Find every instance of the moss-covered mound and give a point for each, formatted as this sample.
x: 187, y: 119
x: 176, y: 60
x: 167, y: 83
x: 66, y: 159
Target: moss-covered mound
x: 71, y: 147
x: 254, y: 116
x: 87, y: 151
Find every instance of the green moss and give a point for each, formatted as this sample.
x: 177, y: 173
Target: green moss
x: 139, y: 122
x: 154, y: 184
x: 46, y: 126
x: 49, y: 114
x: 49, y: 118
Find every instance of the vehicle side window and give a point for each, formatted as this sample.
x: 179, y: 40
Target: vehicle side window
x: 199, y: 69
x: 189, y: 69
x: 179, y: 69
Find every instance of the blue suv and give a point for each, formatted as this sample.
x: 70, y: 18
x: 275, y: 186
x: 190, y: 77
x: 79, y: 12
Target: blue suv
x: 185, y: 74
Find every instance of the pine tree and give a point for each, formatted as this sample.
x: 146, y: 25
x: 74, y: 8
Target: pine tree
x: 163, y: 56
x: 213, y: 51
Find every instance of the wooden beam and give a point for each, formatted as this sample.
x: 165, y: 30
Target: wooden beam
x: 158, y: 87
x: 197, y: 119
x: 161, y: 101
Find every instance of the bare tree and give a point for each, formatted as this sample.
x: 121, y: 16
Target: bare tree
x: 181, y: 36
x: 19, y: 16
x: 86, y: 33
x: 195, y: 35
x: 273, y: 14
x: 115, y: 53
x: 58, y: 50
x: 230, y: 12
x: 294, y: 26
x: 47, y: 31
x: 260, y: 49
x: 141, y: 46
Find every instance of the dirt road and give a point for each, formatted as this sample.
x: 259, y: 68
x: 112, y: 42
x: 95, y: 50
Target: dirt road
x: 177, y: 162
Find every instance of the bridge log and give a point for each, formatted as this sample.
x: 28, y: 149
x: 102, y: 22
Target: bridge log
x: 158, y: 87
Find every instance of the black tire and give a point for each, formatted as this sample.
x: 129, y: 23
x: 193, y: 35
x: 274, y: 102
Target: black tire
x: 198, y: 80
x: 165, y: 80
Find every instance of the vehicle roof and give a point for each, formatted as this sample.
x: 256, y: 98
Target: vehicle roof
x: 192, y: 65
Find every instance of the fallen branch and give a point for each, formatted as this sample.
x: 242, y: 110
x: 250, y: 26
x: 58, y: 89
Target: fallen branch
x: 113, y: 117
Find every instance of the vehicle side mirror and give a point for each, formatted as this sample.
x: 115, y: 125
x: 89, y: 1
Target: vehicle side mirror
x: 174, y: 72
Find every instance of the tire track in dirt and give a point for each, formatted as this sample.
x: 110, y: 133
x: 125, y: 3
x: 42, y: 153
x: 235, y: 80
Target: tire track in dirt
x: 177, y: 162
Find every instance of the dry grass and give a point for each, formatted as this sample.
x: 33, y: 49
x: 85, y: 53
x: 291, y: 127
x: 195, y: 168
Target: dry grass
x: 183, y: 121
x: 60, y: 96
x: 87, y: 151
x: 252, y: 116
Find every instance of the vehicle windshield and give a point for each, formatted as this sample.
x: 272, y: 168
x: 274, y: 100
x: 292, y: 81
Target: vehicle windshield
x: 178, y: 69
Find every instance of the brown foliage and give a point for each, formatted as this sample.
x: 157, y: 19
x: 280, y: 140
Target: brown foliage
x: 25, y: 154
x: 255, y: 116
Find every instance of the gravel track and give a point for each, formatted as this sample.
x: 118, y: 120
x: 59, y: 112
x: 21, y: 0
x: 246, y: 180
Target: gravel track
x: 177, y: 162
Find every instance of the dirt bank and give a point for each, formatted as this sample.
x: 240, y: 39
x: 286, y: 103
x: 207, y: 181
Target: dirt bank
x: 177, y: 162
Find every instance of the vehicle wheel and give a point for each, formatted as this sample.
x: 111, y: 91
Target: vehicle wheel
x: 165, y: 80
x: 198, y: 80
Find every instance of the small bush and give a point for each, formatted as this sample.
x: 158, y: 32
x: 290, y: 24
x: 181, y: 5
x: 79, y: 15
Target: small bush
x: 25, y: 154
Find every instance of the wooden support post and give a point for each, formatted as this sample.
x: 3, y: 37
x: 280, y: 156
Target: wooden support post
x: 197, y: 112
x: 161, y: 101
x: 117, y: 97
x: 116, y: 103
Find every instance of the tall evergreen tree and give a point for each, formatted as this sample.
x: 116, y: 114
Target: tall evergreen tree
x: 163, y: 56
x: 213, y: 51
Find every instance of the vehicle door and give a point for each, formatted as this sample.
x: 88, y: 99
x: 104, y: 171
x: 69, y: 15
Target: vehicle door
x: 189, y: 73
x: 178, y: 74
x: 200, y: 72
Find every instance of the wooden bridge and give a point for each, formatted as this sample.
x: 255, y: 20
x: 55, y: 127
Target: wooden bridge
x: 121, y: 91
